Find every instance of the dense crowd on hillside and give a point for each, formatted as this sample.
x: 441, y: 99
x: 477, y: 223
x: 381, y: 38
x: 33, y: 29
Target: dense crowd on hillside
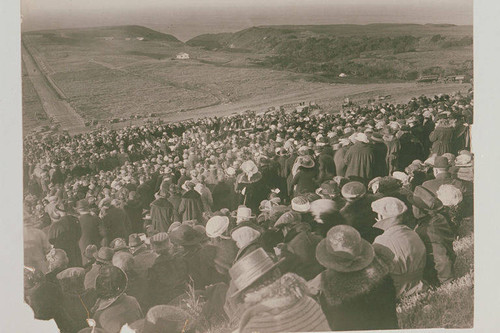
x: 274, y: 222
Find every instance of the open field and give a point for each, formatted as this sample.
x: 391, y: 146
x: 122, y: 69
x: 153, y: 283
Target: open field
x: 117, y: 72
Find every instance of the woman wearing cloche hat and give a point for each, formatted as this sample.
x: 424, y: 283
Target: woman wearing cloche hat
x: 356, y: 291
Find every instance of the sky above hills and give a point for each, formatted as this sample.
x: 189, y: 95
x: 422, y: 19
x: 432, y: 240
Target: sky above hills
x: 188, y: 18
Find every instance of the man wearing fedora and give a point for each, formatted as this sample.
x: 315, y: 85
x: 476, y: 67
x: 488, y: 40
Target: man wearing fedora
x: 143, y: 257
x: 114, y: 308
x: 355, y: 291
x: 89, y: 225
x: 199, y: 258
x: 102, y: 257
x: 272, y: 302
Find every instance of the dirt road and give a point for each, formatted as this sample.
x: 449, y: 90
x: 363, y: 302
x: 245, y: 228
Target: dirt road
x: 61, y: 112
x: 331, y: 97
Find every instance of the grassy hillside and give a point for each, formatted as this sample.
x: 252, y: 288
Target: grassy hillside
x: 380, y: 51
x: 117, y: 32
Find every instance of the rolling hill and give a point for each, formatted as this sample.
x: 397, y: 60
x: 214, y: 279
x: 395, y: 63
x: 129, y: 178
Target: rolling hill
x: 374, y: 51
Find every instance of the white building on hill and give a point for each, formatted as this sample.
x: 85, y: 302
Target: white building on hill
x: 182, y: 56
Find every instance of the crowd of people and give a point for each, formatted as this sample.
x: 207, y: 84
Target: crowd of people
x: 276, y: 222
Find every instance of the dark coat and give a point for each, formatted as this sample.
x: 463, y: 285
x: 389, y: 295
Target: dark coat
x: 116, y: 224
x: 45, y: 300
x: 438, y: 238
x: 300, y: 254
x: 361, y: 300
x: 380, y: 161
x: 167, y: 278
x: 65, y: 235
x: 201, y: 265
x: 133, y: 208
x: 360, y: 161
x: 254, y: 193
x: 191, y: 207
x: 411, y: 149
x: 442, y: 140
x: 162, y: 214
x: 304, y: 182
x: 89, y: 225
x: 224, y: 196
x: 77, y: 305
x: 359, y: 215
x: 225, y: 252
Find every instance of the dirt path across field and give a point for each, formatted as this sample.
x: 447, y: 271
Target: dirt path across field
x: 59, y: 110
x: 330, y: 98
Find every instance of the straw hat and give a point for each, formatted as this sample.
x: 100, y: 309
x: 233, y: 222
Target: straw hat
x: 353, y: 190
x: 216, y: 226
x: 250, y: 268
x: 344, y: 250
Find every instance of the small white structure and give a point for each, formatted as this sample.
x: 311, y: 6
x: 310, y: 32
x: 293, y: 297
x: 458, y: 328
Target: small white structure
x: 342, y: 75
x: 182, y: 56
x: 140, y: 38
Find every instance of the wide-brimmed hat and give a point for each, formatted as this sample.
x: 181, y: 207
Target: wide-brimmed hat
x: 104, y: 255
x: 216, y: 226
x: 185, y: 235
x: 301, y: 204
x: 305, y: 161
x: 344, y: 250
x: 425, y: 199
x: 111, y: 282
x: 353, y: 190
x: 250, y: 268
x: 242, y: 214
x: 287, y: 219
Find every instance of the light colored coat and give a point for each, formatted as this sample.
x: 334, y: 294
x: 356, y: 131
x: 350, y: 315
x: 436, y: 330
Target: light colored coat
x: 409, y: 254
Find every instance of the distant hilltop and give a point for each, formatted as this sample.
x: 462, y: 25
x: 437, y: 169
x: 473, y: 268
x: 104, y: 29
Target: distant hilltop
x: 269, y: 37
x: 108, y: 33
